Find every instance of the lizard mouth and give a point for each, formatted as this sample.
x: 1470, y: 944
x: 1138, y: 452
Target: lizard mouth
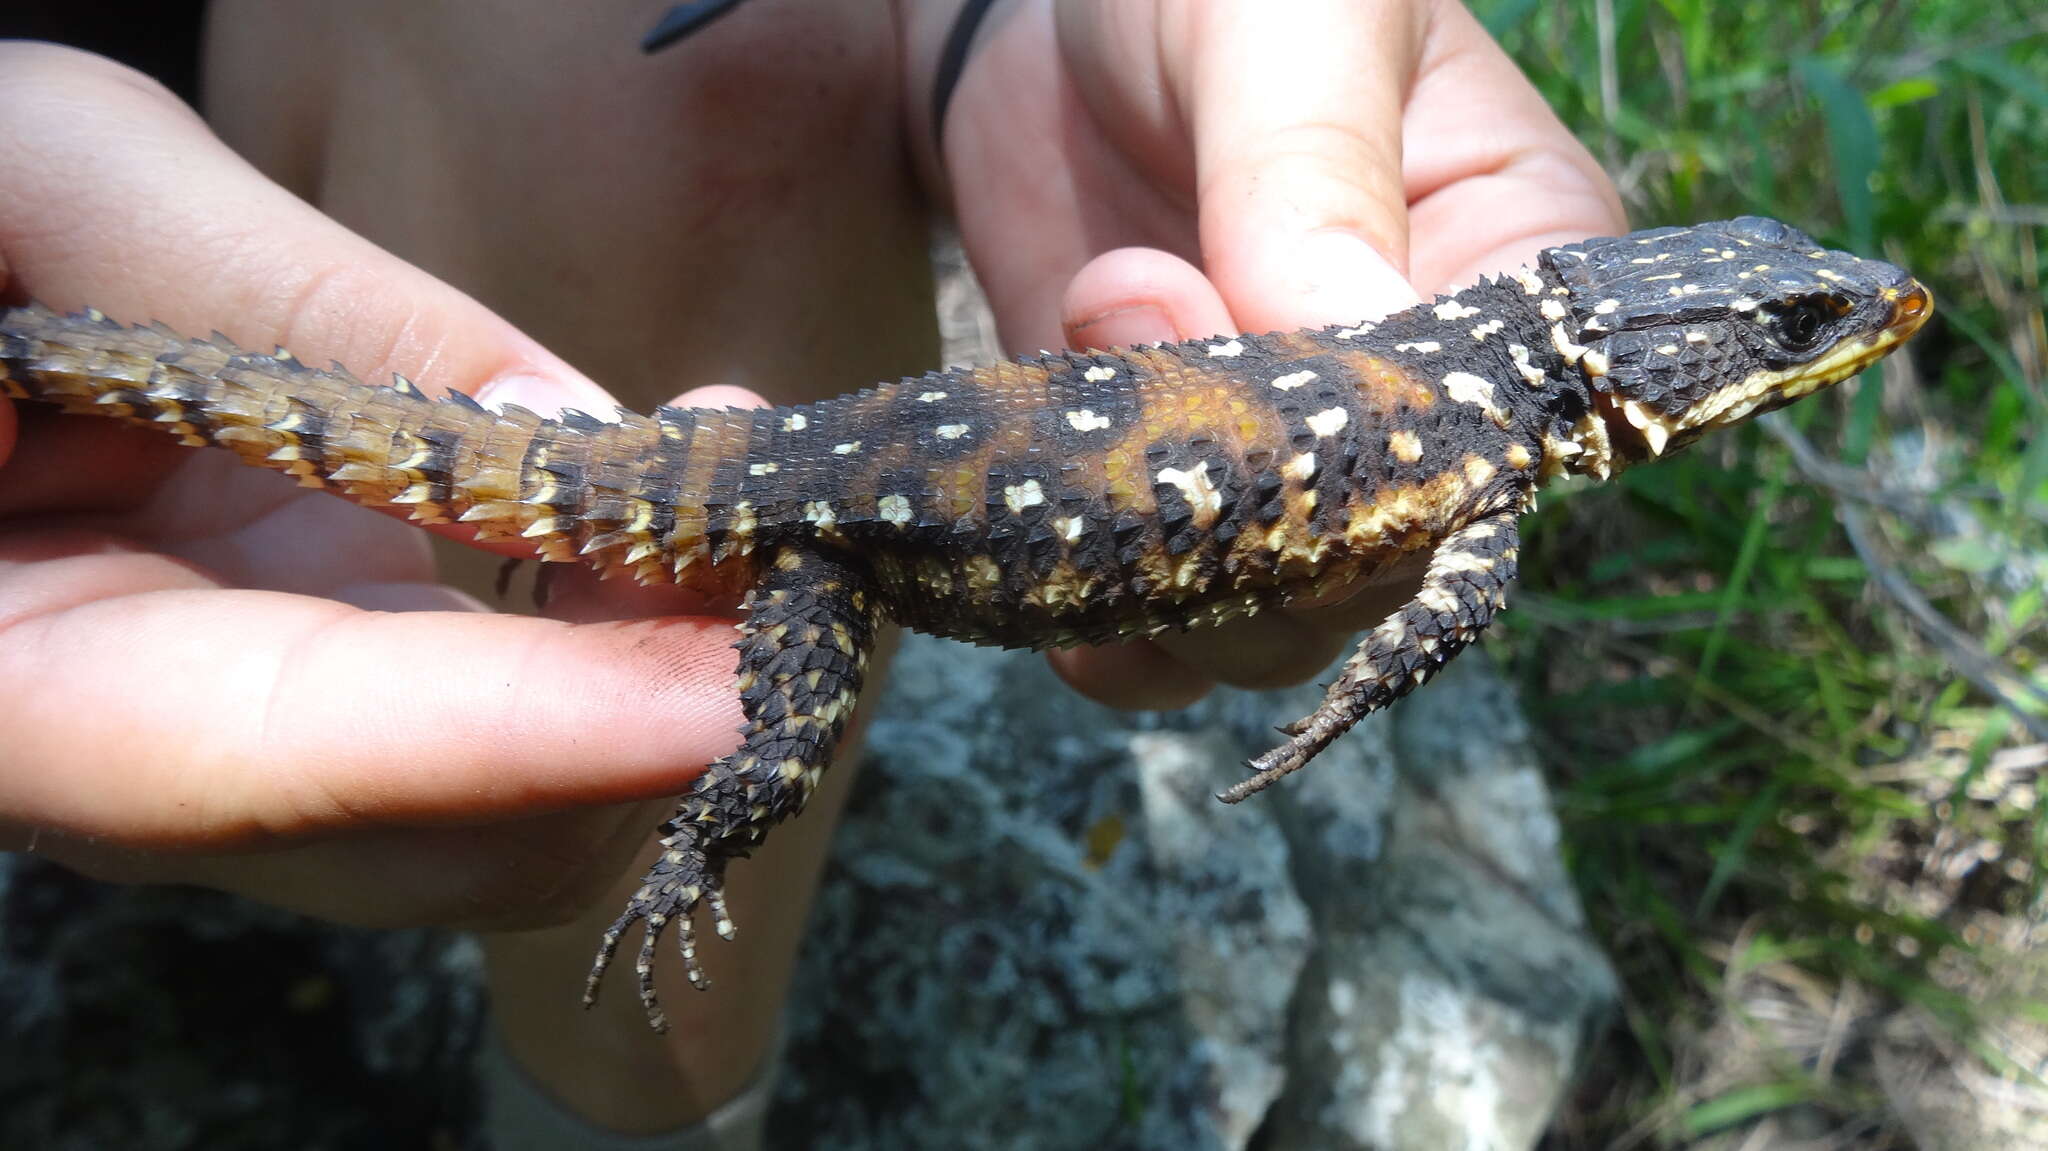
x: 1910, y: 304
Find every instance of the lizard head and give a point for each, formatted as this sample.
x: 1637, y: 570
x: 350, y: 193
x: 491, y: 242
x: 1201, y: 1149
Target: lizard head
x: 1683, y: 330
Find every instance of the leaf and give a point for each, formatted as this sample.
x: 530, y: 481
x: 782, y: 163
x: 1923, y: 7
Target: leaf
x: 2003, y: 74
x: 1741, y: 1104
x: 1852, y: 144
x: 1729, y: 858
x: 1911, y: 90
x: 1971, y: 554
x: 1500, y: 17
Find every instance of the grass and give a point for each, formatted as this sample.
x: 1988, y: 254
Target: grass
x: 1808, y: 841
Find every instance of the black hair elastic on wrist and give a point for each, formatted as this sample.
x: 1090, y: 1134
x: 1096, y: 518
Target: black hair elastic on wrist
x: 952, y: 61
x: 682, y: 20
x: 686, y: 19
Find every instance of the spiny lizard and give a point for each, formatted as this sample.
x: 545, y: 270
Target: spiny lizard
x: 1082, y: 497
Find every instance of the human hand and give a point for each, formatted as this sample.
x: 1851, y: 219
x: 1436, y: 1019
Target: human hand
x: 201, y: 675
x: 1126, y: 171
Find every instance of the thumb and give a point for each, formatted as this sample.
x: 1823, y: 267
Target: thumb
x: 1296, y: 115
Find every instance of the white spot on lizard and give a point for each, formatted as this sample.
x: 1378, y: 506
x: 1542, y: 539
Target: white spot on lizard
x: 1195, y: 486
x: 1017, y: 497
x: 1467, y: 388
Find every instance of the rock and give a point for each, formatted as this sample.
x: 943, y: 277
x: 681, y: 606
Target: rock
x: 1454, y: 986
x: 1067, y: 956
x: 170, y: 1017
x: 1040, y: 930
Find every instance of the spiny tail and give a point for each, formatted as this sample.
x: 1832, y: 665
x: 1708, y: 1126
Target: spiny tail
x: 618, y: 495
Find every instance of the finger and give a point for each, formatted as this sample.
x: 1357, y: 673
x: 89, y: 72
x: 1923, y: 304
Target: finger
x: 10, y: 430
x: 1268, y: 651
x: 41, y: 474
x: 1346, y: 611
x: 581, y: 594
x: 1133, y: 675
x: 1285, y: 647
x: 1134, y: 296
x: 719, y: 396
x: 9, y: 425
x: 508, y: 875
x: 1493, y: 175
x: 237, y: 718
x: 1296, y: 113
x: 117, y: 196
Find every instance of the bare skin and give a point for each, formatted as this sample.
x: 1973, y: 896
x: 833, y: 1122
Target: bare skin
x: 750, y: 210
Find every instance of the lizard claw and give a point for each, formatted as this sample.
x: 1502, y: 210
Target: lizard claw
x: 681, y: 879
x: 1310, y: 736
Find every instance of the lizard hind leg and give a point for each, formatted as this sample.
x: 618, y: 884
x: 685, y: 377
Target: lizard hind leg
x: 804, y: 647
x: 1465, y: 587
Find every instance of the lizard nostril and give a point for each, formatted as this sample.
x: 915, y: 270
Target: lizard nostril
x: 1914, y: 301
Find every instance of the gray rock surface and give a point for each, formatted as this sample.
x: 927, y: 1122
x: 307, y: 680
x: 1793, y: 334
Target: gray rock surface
x: 1454, y: 985
x: 1040, y: 931
x: 158, y: 1018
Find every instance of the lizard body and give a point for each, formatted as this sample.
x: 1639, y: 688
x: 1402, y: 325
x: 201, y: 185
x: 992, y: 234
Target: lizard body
x: 1078, y: 497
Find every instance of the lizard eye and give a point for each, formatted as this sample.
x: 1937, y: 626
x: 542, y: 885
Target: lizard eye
x: 1800, y: 326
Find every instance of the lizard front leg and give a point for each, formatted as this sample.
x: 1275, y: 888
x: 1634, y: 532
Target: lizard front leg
x: 1465, y: 585
x: 804, y: 649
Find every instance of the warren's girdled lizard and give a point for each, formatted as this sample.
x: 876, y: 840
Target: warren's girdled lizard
x: 1084, y: 497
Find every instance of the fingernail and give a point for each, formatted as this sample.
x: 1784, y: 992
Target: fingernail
x: 545, y: 396
x: 1124, y: 328
x: 1339, y: 278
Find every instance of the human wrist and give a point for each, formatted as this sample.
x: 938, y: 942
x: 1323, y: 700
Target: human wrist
x: 939, y: 39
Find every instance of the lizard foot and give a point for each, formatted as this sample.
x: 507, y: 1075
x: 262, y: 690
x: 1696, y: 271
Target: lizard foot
x: 683, y: 877
x: 1306, y: 737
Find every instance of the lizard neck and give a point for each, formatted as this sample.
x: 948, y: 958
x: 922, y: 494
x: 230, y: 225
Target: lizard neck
x: 1516, y: 332
x: 1565, y: 411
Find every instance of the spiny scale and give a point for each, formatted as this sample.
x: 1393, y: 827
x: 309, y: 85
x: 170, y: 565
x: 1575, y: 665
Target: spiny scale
x: 1070, y: 498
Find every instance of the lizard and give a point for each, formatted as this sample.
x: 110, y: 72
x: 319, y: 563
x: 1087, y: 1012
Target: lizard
x: 1080, y: 497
